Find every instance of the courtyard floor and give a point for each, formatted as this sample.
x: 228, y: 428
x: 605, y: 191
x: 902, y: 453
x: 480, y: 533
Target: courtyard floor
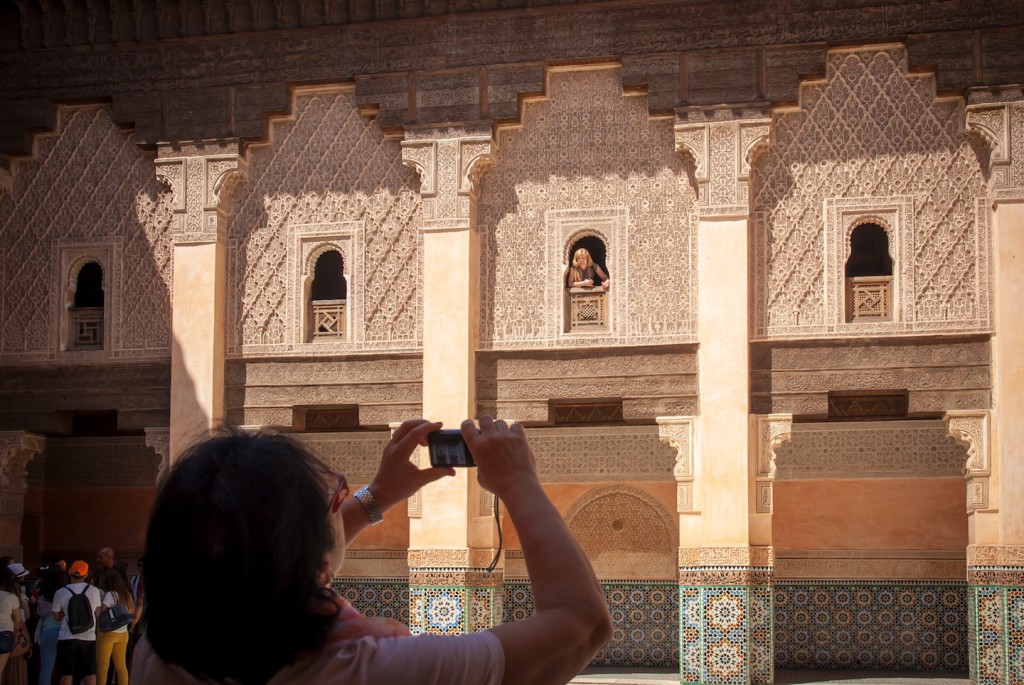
x: 625, y: 676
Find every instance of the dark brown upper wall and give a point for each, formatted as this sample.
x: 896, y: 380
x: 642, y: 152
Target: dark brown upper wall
x: 796, y: 378
x: 649, y: 382
x: 192, y: 75
x: 42, y: 398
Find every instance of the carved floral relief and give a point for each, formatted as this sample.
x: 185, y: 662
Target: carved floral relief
x: 327, y: 171
x: 870, y: 132
x: 586, y: 152
x: 88, y: 185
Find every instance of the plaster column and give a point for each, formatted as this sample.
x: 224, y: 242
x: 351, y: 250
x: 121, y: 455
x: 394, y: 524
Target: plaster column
x: 197, y: 173
x: 452, y: 537
x: 995, y: 467
x: 724, y: 579
x: 17, y: 448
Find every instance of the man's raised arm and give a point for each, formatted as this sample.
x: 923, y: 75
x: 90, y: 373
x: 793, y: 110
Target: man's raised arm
x: 571, y: 622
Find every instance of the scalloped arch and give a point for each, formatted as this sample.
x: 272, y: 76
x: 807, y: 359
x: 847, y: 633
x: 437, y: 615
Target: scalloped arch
x: 579, y: 235
x: 77, y: 265
x: 861, y: 220
x: 319, y: 250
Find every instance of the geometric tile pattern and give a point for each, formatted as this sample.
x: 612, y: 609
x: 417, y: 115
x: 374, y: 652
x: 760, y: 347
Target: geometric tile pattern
x: 996, y: 634
x: 725, y: 634
x: 453, y: 610
x: 644, y: 625
x: 645, y: 621
x: 907, y: 626
x: 441, y: 611
x: 376, y: 598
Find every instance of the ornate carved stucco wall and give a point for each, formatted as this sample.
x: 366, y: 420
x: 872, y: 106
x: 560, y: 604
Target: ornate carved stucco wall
x: 90, y: 492
x: 95, y: 462
x: 890, y: 494
x: 327, y: 179
x: 625, y: 532
x: 650, y: 381
x: 587, y: 159
x: 89, y: 193
x: 264, y: 392
x: 870, y: 142
x: 939, y: 374
x: 40, y: 398
x: 601, y: 454
x: 884, y: 449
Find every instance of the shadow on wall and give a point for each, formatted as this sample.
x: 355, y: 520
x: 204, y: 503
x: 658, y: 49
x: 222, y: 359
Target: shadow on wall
x: 89, y: 195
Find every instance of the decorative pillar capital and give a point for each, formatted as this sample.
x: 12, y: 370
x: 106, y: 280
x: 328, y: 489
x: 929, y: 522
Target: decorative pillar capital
x: 159, y: 439
x: 199, y: 174
x: 17, y: 448
x: 449, y: 162
x: 722, y: 141
x: 971, y: 429
x: 996, y: 118
x: 677, y: 431
x: 770, y: 431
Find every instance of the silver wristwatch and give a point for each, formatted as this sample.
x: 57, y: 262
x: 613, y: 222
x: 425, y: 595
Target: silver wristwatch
x: 365, y: 498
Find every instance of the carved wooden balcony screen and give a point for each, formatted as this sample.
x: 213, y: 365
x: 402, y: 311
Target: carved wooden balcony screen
x: 86, y: 328
x: 868, y: 298
x: 588, y: 310
x: 329, y: 318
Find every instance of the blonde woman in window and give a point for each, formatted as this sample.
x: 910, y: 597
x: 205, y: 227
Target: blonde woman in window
x: 584, y: 272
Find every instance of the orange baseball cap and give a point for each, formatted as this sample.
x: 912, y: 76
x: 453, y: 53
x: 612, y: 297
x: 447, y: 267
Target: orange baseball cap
x: 79, y: 569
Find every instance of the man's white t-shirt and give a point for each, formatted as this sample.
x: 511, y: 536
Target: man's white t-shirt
x: 60, y: 605
x: 475, y: 659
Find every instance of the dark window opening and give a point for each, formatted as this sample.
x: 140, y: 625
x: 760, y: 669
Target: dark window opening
x: 329, y: 277
x: 89, y: 287
x: 95, y: 423
x: 869, y: 252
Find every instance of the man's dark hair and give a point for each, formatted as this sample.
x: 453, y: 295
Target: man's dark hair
x: 235, y: 543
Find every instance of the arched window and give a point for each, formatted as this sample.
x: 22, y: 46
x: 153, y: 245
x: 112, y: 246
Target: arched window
x: 869, y: 275
x: 328, y: 294
x: 86, y: 311
x: 586, y: 286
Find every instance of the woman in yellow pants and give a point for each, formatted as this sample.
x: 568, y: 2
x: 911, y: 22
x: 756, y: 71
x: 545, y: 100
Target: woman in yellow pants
x: 113, y: 645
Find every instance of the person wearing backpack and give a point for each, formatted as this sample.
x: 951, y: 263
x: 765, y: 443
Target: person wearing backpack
x: 75, y: 605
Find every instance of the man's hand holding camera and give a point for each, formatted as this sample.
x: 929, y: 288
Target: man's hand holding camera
x: 504, y: 457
